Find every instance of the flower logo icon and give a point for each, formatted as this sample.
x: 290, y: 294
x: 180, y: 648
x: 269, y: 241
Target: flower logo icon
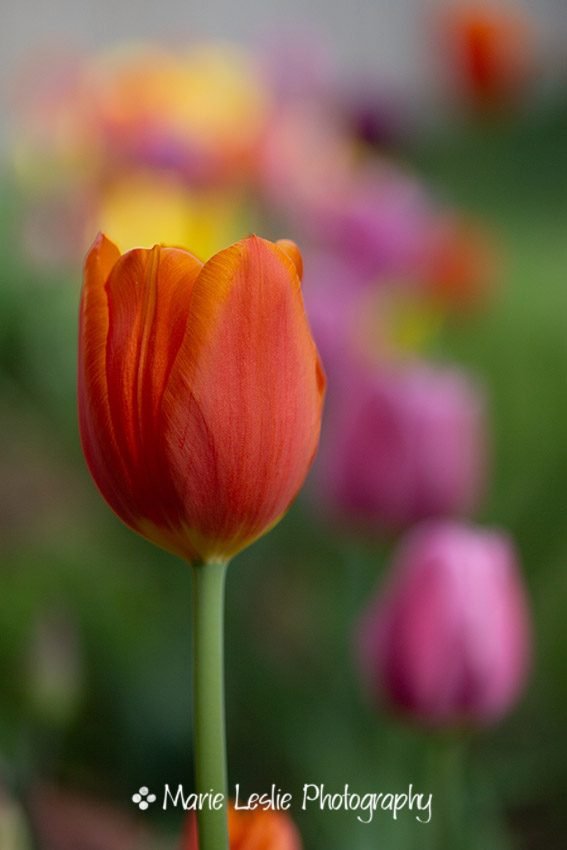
x: 143, y: 798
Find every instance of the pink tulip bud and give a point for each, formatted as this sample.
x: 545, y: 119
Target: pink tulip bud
x: 448, y: 640
x: 403, y: 445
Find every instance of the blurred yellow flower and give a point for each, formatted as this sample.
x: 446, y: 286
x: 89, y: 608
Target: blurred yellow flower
x: 141, y: 210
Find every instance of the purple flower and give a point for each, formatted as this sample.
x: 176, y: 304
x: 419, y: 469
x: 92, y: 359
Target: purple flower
x: 402, y: 444
x: 448, y: 641
x: 380, y: 222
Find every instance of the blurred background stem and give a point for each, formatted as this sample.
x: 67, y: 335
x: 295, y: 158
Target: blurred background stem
x: 447, y: 783
x: 208, y: 700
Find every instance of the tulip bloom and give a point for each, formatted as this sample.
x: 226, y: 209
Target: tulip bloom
x: 200, y: 114
x: 448, y: 641
x: 252, y: 830
x: 493, y: 49
x: 200, y: 391
x: 403, y: 445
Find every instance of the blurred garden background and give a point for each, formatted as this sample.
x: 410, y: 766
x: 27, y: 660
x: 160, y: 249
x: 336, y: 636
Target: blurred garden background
x: 417, y: 155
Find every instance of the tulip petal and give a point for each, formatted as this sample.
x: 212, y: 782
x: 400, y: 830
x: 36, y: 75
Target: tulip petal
x: 94, y: 412
x: 148, y: 302
x: 252, y: 388
x: 139, y: 311
x: 292, y: 251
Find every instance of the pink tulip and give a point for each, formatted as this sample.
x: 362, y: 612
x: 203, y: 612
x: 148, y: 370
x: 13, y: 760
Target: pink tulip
x: 402, y: 445
x: 380, y: 222
x: 448, y: 641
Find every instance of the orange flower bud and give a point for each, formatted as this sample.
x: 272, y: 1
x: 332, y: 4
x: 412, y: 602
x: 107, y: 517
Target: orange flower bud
x: 251, y: 830
x: 200, y: 391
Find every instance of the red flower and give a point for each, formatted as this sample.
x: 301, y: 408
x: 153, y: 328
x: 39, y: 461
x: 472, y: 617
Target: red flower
x: 200, y: 391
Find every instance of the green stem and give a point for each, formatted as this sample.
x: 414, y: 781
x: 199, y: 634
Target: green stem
x: 450, y: 827
x: 208, y: 701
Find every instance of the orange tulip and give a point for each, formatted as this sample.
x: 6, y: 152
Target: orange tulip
x: 252, y: 830
x: 494, y: 52
x: 200, y: 391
